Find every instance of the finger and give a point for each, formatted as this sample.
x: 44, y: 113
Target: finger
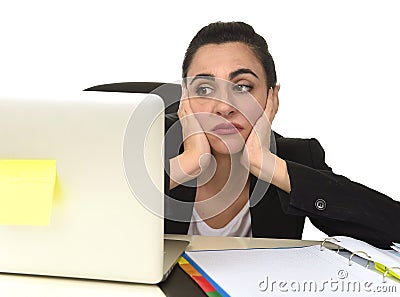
x: 190, y: 124
x: 184, y: 107
x: 269, y: 107
x: 276, y: 92
x: 264, y: 121
x: 181, y: 111
x: 272, y: 102
x: 184, y: 91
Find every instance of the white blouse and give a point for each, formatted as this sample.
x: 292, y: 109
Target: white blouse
x: 239, y: 226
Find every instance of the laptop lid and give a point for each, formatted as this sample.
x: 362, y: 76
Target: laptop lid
x: 105, y: 218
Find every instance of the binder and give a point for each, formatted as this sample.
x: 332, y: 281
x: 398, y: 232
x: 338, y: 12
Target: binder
x: 352, y: 267
x: 385, y: 261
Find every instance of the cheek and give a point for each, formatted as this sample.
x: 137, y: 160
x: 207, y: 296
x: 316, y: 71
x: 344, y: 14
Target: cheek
x: 202, y: 105
x: 201, y: 108
x: 251, y: 111
x: 198, y: 105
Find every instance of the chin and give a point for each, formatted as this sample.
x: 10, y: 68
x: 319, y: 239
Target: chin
x: 227, y: 147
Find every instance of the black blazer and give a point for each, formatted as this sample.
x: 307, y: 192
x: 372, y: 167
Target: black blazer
x: 334, y: 204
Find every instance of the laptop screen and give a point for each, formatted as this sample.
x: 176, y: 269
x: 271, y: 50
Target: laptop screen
x: 98, y: 160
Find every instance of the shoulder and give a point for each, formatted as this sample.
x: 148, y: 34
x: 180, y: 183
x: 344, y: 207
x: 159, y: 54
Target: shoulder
x: 306, y: 151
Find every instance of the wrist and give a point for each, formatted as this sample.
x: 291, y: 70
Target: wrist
x: 263, y: 166
x: 187, y: 166
x: 272, y: 169
x: 280, y: 177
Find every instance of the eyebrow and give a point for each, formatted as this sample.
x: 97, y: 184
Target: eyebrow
x: 232, y: 75
x: 203, y: 76
x: 235, y: 73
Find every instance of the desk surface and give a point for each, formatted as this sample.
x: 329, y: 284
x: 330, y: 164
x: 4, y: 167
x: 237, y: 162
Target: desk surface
x: 214, y: 242
x: 21, y: 286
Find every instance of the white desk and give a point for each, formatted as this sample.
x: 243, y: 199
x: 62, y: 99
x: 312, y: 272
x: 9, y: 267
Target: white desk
x: 37, y: 286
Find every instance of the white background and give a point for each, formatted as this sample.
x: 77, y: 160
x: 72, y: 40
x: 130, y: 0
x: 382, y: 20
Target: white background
x: 337, y: 62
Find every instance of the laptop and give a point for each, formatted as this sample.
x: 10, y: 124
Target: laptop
x: 105, y: 218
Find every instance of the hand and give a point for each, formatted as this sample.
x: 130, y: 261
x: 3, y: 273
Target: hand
x: 258, y: 143
x: 195, y: 141
x: 196, y: 156
x: 257, y: 156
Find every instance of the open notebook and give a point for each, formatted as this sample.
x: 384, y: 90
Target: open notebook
x: 312, y: 270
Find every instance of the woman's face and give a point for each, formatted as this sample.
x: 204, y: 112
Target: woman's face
x: 227, y: 89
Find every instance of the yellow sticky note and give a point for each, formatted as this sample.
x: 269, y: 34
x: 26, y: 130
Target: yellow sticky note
x: 26, y: 191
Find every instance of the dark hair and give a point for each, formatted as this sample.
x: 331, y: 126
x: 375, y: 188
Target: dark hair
x: 222, y: 32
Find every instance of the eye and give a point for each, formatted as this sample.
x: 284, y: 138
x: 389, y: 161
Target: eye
x: 242, y: 88
x: 203, y: 90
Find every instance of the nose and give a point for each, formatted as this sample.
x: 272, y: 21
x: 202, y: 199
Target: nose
x: 223, y: 101
x: 224, y: 109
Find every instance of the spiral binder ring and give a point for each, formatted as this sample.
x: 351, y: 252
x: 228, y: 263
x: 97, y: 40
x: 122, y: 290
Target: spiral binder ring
x: 359, y: 252
x: 387, y: 271
x: 321, y: 247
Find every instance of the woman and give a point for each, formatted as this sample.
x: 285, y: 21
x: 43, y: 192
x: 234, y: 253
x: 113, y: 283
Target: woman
x: 230, y: 178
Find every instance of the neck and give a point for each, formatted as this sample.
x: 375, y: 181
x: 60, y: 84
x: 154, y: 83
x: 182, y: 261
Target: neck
x: 222, y: 190
x: 225, y: 171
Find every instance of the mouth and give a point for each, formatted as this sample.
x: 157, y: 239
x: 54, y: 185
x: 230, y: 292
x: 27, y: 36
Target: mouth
x: 227, y: 129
